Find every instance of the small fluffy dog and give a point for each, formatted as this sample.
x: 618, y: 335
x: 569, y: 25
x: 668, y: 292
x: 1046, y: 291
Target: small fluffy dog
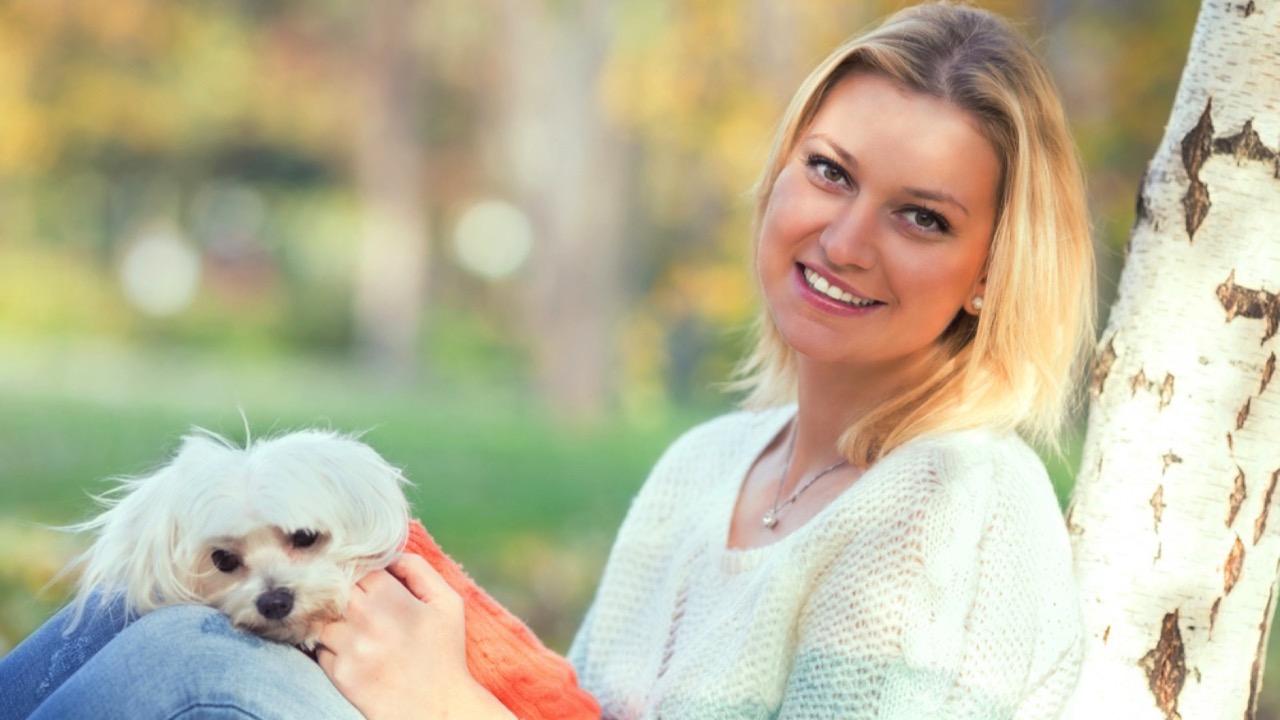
x: 274, y: 535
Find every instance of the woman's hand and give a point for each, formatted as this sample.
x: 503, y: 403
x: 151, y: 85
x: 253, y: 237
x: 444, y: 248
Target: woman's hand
x: 400, y: 651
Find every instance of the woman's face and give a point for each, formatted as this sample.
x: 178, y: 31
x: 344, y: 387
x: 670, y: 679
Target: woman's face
x: 877, y: 230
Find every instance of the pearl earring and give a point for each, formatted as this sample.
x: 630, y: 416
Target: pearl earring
x: 977, y: 303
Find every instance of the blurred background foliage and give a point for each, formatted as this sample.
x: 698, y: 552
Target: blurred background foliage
x: 509, y: 238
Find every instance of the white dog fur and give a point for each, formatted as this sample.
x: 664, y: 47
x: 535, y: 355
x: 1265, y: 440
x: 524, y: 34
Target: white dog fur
x: 274, y: 535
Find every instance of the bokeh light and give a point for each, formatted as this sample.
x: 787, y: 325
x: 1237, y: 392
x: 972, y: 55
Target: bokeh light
x: 492, y: 239
x: 160, y: 272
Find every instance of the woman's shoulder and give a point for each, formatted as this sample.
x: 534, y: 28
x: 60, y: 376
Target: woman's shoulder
x: 983, y: 453
x: 976, y: 473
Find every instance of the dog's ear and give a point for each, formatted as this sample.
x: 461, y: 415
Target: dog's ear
x: 375, y: 489
x: 142, y: 552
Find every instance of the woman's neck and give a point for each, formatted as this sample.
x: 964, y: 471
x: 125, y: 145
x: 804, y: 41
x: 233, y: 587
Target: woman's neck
x: 831, y: 398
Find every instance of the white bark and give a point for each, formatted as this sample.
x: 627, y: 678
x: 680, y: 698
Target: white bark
x: 1175, y: 550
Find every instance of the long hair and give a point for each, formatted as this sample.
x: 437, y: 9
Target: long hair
x: 1016, y: 365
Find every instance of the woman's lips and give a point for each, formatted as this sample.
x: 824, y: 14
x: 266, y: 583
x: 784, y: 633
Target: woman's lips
x: 822, y: 292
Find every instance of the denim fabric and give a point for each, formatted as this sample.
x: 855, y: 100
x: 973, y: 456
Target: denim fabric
x: 177, y: 662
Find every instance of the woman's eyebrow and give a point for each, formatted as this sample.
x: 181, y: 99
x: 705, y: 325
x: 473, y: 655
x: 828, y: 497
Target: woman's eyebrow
x: 849, y: 161
x: 936, y: 196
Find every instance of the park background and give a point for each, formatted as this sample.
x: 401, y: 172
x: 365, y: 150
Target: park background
x: 508, y: 240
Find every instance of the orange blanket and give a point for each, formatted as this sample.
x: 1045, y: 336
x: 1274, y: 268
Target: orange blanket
x: 503, y: 654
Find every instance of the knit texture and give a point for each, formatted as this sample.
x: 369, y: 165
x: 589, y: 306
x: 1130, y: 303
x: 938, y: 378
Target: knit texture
x: 938, y: 585
x: 503, y: 655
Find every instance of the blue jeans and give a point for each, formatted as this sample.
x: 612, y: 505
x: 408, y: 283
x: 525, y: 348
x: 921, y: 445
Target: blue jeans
x: 177, y: 662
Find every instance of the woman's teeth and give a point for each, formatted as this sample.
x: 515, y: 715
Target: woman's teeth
x: 820, y: 284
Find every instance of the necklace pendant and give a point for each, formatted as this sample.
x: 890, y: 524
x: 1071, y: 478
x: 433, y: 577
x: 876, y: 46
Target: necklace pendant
x: 769, y: 520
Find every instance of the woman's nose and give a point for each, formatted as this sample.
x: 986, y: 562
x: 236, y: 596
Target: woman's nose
x: 850, y: 238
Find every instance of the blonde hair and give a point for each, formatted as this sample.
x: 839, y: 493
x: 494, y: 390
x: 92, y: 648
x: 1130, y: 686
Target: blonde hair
x: 1016, y: 365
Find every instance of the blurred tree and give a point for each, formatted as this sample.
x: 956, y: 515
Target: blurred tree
x: 391, y: 275
x: 1174, y: 552
x: 564, y: 163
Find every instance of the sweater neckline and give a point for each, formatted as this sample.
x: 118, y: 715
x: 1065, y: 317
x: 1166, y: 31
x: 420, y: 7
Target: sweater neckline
x: 737, y: 560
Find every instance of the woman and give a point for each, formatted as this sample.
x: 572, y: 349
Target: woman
x: 870, y: 537
x: 886, y: 546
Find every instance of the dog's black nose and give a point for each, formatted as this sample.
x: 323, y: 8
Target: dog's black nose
x: 275, y: 604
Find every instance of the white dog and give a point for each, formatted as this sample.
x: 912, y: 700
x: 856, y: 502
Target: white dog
x: 274, y: 535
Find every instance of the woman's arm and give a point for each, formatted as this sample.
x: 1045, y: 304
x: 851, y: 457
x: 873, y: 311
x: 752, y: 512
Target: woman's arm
x: 400, y: 651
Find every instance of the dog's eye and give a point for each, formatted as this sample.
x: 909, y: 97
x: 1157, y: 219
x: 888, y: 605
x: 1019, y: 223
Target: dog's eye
x: 304, y: 538
x: 224, y: 561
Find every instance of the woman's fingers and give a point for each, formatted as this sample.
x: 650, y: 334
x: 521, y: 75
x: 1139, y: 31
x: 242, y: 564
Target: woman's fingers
x: 424, y: 581
x: 400, y: 650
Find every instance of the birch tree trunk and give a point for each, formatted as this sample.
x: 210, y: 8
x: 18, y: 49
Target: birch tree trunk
x: 1175, y: 551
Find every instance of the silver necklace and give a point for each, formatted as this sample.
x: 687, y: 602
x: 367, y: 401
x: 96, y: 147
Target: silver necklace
x: 770, y: 519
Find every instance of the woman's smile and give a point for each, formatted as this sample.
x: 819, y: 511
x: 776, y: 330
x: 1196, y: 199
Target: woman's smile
x: 831, y: 295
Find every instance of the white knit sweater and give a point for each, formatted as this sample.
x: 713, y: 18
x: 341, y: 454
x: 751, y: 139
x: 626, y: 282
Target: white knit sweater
x: 938, y: 585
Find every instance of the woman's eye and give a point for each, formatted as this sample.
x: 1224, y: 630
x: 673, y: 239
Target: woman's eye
x: 827, y: 170
x: 304, y: 538
x: 224, y: 561
x: 927, y: 220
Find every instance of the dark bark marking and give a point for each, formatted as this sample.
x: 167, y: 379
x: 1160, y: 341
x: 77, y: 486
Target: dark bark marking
x: 1158, y: 505
x: 1243, y: 414
x: 1231, y: 443
x: 1141, y: 209
x: 1244, y: 145
x: 1169, y: 459
x: 1259, y: 657
x: 1072, y: 528
x: 1268, y: 370
x: 1166, y: 667
x: 1164, y: 390
x: 1237, y: 496
x: 1247, y: 9
x: 1260, y: 524
x: 1197, y: 145
x: 1106, y: 635
x: 1213, y: 615
x: 1232, y: 567
x: 1136, y: 382
x: 1102, y: 367
x: 1249, y: 303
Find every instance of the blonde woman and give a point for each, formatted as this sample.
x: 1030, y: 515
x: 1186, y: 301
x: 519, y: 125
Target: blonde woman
x: 870, y: 537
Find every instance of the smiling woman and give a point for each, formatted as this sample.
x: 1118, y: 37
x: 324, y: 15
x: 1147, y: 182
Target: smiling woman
x: 925, y: 107
x: 871, y: 537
